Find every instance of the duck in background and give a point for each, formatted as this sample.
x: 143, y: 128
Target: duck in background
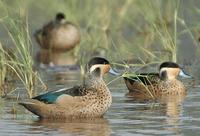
x: 56, y: 38
x: 58, y: 35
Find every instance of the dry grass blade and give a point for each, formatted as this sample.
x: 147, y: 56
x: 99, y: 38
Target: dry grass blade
x: 22, y: 63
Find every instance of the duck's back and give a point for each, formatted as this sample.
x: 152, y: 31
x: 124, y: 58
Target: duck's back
x: 64, y: 37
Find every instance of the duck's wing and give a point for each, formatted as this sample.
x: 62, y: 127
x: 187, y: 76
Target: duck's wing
x: 51, y: 97
x: 48, y: 28
x: 42, y: 35
x: 45, y: 105
x: 145, y: 78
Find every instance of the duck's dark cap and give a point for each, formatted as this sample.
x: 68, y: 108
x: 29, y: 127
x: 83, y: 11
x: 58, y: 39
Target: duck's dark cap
x: 169, y: 64
x: 97, y: 60
x: 60, y: 16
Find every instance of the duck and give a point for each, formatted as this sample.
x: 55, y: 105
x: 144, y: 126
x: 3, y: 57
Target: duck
x: 58, y: 35
x: 89, y: 100
x: 154, y: 85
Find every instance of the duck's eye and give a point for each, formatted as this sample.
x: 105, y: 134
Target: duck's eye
x: 163, y: 75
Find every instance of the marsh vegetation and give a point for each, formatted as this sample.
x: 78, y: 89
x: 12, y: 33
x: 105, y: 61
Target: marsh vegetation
x: 129, y: 33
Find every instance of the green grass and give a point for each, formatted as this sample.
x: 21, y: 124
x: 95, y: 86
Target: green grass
x: 120, y: 30
x: 145, y: 90
x: 22, y: 63
x: 6, y: 74
x: 123, y: 30
x: 3, y: 70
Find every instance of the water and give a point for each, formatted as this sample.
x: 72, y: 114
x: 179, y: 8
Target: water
x: 126, y: 116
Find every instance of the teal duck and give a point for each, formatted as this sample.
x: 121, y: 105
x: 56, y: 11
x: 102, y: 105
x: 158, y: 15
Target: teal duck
x: 89, y: 100
x: 58, y: 35
x: 157, y: 84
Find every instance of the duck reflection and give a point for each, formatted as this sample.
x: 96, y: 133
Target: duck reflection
x: 87, y: 127
x: 173, y: 105
x: 49, y: 58
x: 65, y: 79
x: 169, y: 107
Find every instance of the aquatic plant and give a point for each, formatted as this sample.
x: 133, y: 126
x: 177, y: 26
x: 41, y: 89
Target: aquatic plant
x: 129, y: 33
x: 22, y: 63
x: 133, y: 76
x: 144, y: 30
x: 2, y: 70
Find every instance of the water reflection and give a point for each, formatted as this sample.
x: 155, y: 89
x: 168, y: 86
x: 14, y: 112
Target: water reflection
x: 173, y: 109
x: 127, y: 116
x: 88, y: 127
x: 48, y: 57
x: 163, y: 114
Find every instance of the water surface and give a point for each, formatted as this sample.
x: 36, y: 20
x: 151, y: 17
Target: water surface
x: 127, y: 116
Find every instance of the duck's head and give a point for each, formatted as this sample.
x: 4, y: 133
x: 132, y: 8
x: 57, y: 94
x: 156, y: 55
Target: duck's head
x: 170, y: 70
x: 60, y: 16
x: 99, y: 66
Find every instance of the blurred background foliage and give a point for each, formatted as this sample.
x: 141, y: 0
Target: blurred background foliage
x: 125, y: 32
x: 144, y: 30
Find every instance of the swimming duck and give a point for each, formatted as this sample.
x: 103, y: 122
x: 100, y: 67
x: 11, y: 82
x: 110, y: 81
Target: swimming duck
x: 92, y: 99
x: 157, y: 84
x: 58, y: 35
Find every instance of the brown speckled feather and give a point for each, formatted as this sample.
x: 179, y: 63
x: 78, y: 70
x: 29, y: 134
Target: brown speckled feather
x: 156, y: 88
x: 94, y: 103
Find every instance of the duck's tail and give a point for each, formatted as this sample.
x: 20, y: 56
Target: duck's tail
x: 35, y: 106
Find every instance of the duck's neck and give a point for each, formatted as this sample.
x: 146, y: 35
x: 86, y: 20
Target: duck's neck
x: 169, y: 78
x: 97, y: 84
x: 103, y: 94
x: 94, y: 82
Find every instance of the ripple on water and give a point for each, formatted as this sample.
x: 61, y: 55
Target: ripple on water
x: 127, y: 116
